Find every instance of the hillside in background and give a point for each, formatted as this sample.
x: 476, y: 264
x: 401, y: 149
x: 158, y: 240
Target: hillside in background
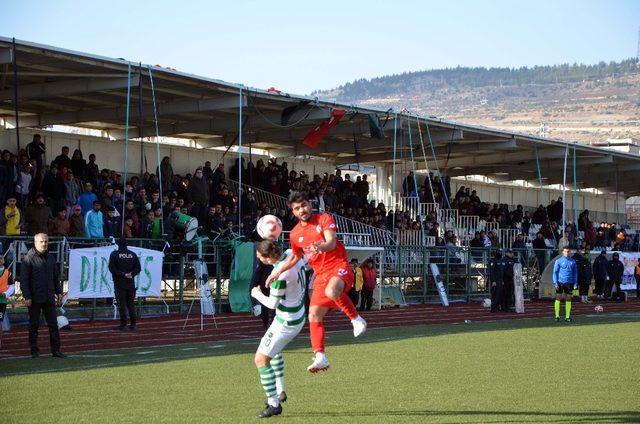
x: 585, y: 103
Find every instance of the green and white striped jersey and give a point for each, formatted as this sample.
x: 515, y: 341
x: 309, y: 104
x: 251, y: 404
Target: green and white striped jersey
x: 289, y: 289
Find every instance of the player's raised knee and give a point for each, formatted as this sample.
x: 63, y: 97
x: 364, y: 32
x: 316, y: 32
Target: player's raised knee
x: 332, y: 292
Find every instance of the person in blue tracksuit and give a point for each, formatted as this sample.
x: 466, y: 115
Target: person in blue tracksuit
x: 565, y: 280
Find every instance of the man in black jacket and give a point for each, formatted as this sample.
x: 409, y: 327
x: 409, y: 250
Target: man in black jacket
x: 124, y: 265
x: 615, y: 270
x: 495, y: 278
x: 600, y: 273
x: 508, y: 283
x: 40, y: 285
x: 585, y: 273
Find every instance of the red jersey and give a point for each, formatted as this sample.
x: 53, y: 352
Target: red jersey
x: 302, y: 237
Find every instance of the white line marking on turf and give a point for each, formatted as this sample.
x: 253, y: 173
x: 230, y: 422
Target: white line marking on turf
x: 215, y: 346
x: 98, y: 356
x: 189, y: 348
x: 146, y: 352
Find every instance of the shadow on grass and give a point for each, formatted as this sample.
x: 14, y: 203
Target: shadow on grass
x: 180, y: 352
x: 486, y: 416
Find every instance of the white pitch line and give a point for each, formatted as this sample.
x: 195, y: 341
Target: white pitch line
x: 146, y: 352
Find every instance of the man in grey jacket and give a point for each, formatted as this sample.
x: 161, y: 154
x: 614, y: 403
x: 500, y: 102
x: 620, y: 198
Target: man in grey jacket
x: 41, y: 287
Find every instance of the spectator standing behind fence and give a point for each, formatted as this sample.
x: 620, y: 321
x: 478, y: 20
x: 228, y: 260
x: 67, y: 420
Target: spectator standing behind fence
x: 615, y: 271
x: 354, y: 293
x: 600, y: 274
x: 124, y: 265
x: 41, y: 287
x: 76, y: 222
x: 37, y: 216
x: 369, y: 278
x: 93, y: 221
x: 10, y: 218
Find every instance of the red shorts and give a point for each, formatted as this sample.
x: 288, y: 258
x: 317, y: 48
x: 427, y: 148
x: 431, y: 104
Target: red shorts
x: 320, y: 281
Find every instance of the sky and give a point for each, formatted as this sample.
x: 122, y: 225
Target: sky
x: 299, y: 46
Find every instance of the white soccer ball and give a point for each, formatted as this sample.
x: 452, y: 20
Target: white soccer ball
x: 269, y: 227
x: 599, y: 308
x: 486, y: 303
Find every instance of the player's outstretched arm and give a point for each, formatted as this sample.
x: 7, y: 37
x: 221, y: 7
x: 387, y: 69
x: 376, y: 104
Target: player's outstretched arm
x: 289, y: 263
x: 268, y: 301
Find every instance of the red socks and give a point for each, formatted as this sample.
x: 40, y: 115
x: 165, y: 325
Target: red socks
x: 317, y: 336
x: 346, y: 305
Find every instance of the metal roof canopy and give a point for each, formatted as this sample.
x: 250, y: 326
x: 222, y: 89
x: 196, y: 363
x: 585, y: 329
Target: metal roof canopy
x: 62, y: 87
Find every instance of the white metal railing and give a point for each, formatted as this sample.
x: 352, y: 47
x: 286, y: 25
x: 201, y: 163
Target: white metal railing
x: 348, y: 239
x: 414, y: 238
x: 492, y: 226
x: 427, y: 208
x: 506, y: 236
x: 377, y: 236
x: 448, y: 218
x: 468, y: 224
x: 410, y: 204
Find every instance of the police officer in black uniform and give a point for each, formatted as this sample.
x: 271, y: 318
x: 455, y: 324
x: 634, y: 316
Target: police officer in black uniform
x: 124, y: 265
x: 495, y: 278
x: 507, y: 280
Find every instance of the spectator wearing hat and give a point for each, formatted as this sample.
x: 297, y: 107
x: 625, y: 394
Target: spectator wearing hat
x: 76, y: 222
x: 37, y: 216
x: 600, y: 273
x: 93, y: 221
x: 585, y: 273
x: 615, y: 271
x: 124, y: 265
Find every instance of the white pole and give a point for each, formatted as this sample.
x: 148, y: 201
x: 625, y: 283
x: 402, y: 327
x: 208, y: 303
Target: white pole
x: 564, y: 187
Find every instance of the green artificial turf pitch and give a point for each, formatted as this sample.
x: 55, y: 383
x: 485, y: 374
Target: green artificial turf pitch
x: 510, y: 371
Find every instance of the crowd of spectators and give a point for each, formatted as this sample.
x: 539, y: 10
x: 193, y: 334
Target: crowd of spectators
x: 74, y: 197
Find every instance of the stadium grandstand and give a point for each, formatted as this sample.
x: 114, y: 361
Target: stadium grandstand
x: 414, y: 190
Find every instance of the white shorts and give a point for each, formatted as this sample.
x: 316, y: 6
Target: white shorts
x: 277, y: 337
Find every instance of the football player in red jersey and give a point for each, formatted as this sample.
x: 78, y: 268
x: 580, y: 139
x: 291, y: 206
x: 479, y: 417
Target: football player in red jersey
x: 315, y: 237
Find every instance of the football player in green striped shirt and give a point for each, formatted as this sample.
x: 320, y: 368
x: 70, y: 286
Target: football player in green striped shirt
x: 286, y: 296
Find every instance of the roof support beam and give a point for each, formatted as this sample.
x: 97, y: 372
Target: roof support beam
x: 70, y: 87
x: 222, y: 124
x: 118, y: 114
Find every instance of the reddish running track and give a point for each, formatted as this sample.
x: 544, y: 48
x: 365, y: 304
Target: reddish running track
x: 162, y: 331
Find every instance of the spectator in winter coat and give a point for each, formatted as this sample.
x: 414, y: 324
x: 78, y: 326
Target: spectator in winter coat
x: 54, y: 189
x: 72, y: 191
x: 585, y: 274
x: 76, y: 222
x: 600, y: 273
x: 615, y: 271
x: 93, y: 222
x: 37, y: 216
x: 111, y: 223
x: 59, y: 226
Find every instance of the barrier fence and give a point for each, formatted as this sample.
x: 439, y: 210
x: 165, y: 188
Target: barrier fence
x: 464, y: 271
